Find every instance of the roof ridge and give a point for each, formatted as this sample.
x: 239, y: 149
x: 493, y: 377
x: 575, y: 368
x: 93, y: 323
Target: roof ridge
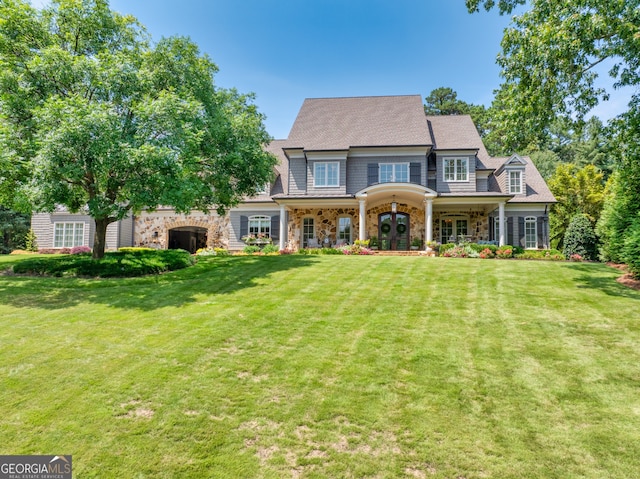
x: 362, y: 97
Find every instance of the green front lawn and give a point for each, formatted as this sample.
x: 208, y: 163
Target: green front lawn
x: 326, y: 366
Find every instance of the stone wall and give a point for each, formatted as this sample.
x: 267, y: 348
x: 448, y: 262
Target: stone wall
x: 416, y: 219
x: 478, y: 223
x: 325, y: 219
x: 325, y: 222
x: 152, y: 229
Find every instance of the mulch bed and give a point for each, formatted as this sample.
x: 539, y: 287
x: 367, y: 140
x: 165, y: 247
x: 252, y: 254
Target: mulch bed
x: 626, y: 279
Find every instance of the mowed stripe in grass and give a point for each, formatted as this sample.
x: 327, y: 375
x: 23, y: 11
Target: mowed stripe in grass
x: 327, y: 367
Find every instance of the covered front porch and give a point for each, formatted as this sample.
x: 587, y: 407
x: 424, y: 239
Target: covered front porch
x: 395, y: 215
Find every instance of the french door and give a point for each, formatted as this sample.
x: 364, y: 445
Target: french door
x: 393, y: 231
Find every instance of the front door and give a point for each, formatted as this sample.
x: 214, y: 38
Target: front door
x: 393, y: 231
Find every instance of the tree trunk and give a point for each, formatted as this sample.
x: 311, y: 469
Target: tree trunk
x: 100, y: 239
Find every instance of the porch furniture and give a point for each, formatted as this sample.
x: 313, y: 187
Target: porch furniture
x: 312, y: 243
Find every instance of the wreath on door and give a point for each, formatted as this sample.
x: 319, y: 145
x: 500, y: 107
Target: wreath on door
x: 401, y: 229
x: 385, y: 228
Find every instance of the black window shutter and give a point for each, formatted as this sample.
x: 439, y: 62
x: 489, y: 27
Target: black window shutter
x: 521, y: 241
x: 244, y: 226
x: 372, y: 174
x: 541, y: 235
x: 510, y: 237
x: 492, y: 229
x: 275, y: 227
x: 432, y: 162
x: 414, y: 173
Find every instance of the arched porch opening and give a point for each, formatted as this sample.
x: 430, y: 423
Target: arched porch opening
x: 189, y: 238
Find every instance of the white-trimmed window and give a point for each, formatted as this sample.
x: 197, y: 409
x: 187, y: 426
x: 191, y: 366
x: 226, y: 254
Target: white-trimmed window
x: 530, y: 232
x: 308, y: 230
x: 264, y: 189
x: 260, y: 226
x: 394, y: 173
x: 456, y: 169
x: 515, y: 182
x: 344, y: 228
x: 68, y: 235
x: 326, y: 174
x: 452, y: 228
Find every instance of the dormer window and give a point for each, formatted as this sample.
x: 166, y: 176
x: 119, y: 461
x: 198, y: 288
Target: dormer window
x: 264, y: 189
x: 456, y: 169
x: 515, y: 182
x: 394, y: 173
x: 326, y: 174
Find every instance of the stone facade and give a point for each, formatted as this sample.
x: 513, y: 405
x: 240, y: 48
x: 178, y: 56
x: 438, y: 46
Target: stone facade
x: 416, y: 219
x: 326, y: 220
x: 152, y: 229
x: 478, y: 224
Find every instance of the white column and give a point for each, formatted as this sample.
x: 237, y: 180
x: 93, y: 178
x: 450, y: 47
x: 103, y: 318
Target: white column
x: 283, y: 226
x: 428, y: 220
x: 503, y: 225
x: 362, y: 235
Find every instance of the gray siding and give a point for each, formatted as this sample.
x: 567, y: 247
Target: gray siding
x: 125, y: 237
x: 113, y: 235
x: 455, y: 187
x: 516, y: 227
x: 297, y: 176
x: 482, y: 184
x: 43, y: 226
x: 235, y: 235
x: 507, y: 179
x: 357, y: 169
x: 319, y: 191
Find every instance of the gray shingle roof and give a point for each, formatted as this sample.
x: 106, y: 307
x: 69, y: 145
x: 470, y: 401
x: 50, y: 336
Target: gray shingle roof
x: 279, y: 186
x: 343, y: 123
x: 340, y: 123
x: 537, y: 189
x: 457, y: 132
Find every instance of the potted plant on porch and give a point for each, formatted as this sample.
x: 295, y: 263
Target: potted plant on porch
x: 416, y: 243
x: 373, y: 242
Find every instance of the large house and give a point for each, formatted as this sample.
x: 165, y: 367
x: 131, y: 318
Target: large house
x: 356, y: 168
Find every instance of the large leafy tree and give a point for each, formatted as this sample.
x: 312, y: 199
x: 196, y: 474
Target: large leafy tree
x: 587, y: 146
x: 94, y: 117
x: 549, y: 61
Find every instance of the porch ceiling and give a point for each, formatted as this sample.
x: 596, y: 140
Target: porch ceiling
x: 471, y: 203
x: 401, y: 192
x: 316, y: 202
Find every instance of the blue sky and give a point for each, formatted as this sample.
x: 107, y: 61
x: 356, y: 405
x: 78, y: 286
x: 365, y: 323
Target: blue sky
x: 288, y: 50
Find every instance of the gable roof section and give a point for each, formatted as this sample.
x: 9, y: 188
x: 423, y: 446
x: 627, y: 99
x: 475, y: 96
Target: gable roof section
x: 341, y: 123
x: 537, y: 189
x: 279, y: 185
x: 458, y: 132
